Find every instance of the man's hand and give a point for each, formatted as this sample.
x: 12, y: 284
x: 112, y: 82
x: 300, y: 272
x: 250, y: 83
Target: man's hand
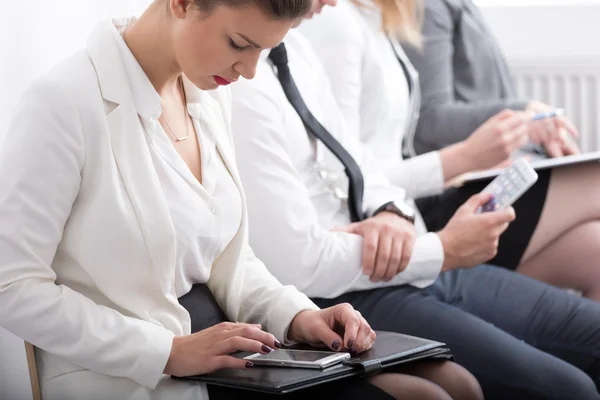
x: 340, y: 327
x: 470, y: 238
x: 388, y: 241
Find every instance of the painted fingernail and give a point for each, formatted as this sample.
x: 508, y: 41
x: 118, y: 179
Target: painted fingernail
x: 353, y: 353
x: 266, y: 348
x: 336, y: 345
x: 350, y: 343
x: 278, y: 344
x: 249, y: 365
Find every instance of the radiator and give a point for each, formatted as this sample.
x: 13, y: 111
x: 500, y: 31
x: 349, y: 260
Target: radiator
x: 573, y: 85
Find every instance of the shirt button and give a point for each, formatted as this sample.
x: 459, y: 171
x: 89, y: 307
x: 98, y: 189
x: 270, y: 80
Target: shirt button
x: 214, y: 211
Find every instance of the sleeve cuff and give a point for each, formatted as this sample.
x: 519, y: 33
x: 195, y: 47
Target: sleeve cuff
x: 431, y: 163
x: 427, y: 260
x: 290, y: 304
x: 420, y: 176
x: 151, y: 363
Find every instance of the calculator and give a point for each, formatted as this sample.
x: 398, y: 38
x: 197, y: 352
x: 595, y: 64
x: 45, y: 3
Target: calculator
x: 507, y: 187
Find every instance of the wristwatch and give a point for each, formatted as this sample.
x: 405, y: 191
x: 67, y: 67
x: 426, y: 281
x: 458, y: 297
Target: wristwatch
x: 400, y: 209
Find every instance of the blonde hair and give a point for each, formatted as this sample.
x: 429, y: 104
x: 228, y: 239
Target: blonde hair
x: 400, y: 18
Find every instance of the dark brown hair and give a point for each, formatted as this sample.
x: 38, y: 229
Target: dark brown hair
x: 276, y: 9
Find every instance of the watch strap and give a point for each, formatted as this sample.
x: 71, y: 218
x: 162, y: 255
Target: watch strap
x: 391, y: 207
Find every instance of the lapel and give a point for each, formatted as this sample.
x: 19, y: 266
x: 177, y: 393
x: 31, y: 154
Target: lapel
x: 412, y: 79
x: 410, y: 73
x: 132, y: 158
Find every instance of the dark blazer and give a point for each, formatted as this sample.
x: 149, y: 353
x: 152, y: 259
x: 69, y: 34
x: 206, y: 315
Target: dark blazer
x: 464, y: 76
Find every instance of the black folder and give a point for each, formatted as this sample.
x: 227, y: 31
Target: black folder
x: 390, y: 349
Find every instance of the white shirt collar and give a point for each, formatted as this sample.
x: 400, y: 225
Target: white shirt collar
x: 146, y: 99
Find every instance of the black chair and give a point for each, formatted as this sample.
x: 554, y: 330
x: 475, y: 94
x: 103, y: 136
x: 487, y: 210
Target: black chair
x: 203, y: 308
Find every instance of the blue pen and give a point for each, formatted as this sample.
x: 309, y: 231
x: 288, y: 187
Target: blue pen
x: 550, y: 114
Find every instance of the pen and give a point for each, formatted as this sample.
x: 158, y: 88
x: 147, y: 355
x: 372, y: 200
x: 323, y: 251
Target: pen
x: 550, y: 114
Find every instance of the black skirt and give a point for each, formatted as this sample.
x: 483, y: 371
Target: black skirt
x: 437, y: 211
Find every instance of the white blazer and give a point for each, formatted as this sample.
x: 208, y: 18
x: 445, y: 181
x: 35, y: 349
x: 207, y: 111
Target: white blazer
x: 87, y: 247
x: 371, y: 89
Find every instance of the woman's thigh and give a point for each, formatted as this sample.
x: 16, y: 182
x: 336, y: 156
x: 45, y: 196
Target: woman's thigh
x: 573, y: 198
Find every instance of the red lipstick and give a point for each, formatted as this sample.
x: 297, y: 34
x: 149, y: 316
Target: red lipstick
x: 221, y: 81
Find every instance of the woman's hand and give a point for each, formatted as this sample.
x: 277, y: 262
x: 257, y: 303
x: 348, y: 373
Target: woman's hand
x: 496, y: 139
x: 340, y: 327
x: 560, y: 148
x: 209, y: 350
x: 548, y: 130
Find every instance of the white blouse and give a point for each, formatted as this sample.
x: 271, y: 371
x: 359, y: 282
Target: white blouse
x: 205, y: 216
x: 371, y: 90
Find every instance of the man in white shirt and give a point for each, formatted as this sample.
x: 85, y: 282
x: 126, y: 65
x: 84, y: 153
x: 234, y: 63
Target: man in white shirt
x: 300, y: 211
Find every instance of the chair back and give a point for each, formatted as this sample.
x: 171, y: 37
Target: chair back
x: 33, y: 372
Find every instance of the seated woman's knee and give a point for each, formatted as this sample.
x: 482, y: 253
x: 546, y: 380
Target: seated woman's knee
x: 459, y: 383
x: 408, y: 387
x: 455, y: 380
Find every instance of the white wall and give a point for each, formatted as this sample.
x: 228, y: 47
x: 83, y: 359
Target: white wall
x: 34, y: 35
x: 532, y: 32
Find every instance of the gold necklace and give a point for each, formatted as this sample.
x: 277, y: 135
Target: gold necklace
x: 187, y: 127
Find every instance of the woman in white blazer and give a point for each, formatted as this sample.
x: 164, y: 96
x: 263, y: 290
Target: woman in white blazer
x: 119, y: 192
x: 377, y: 89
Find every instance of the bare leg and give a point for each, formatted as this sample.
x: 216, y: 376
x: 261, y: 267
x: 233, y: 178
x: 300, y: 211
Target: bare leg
x: 454, y: 379
x: 571, y: 261
x: 565, y: 246
x: 408, y: 387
